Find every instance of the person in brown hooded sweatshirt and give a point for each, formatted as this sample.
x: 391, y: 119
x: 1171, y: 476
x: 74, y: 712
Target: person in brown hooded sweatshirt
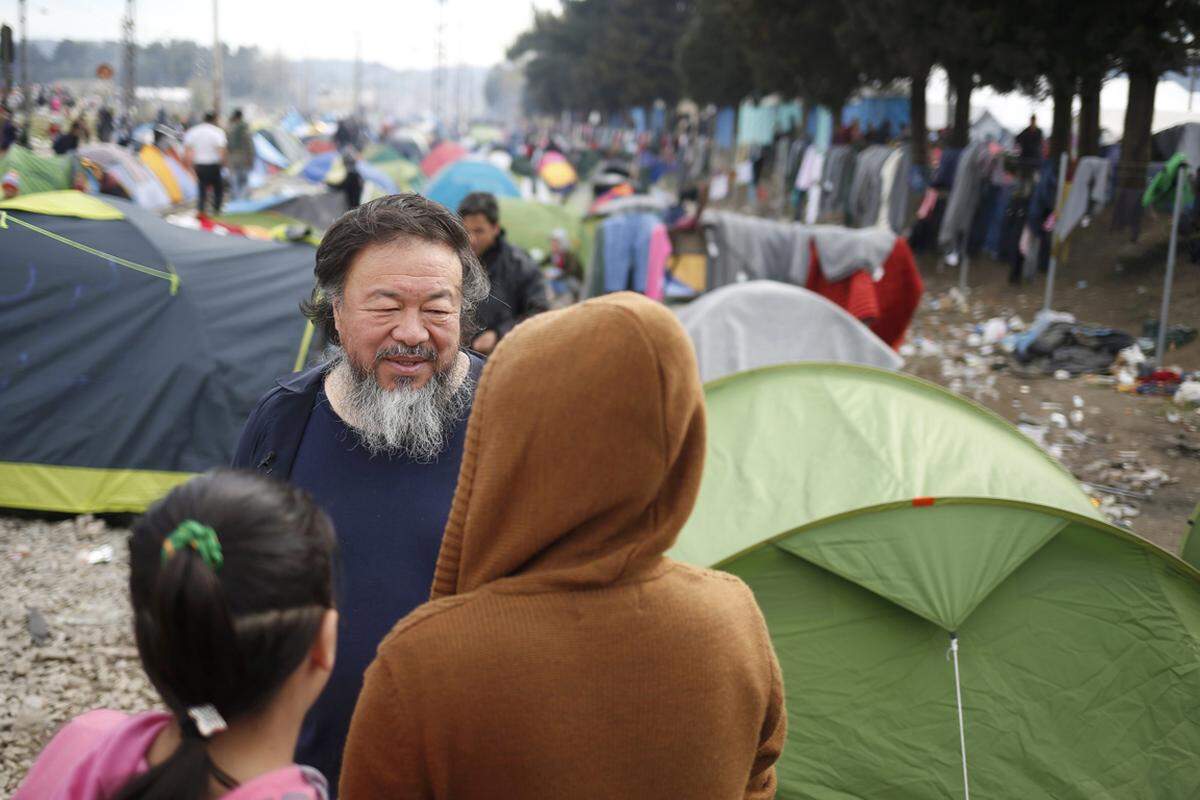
x: 562, y: 654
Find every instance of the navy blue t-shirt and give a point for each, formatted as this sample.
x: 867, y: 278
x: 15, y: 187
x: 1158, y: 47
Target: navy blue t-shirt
x: 389, y: 514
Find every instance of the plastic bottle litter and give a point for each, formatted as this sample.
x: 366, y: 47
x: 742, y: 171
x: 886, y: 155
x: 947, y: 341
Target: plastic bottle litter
x: 1188, y: 393
x: 1077, y: 401
x: 1058, y: 420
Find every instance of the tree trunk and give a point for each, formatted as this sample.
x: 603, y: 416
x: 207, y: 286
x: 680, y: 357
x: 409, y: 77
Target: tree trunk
x: 918, y: 130
x: 1089, y: 114
x: 1063, y: 92
x: 964, y: 83
x: 1139, y: 114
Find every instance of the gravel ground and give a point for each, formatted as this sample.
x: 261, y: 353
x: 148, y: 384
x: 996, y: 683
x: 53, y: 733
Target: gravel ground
x: 86, y: 659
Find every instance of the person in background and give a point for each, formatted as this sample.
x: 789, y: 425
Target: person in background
x: 376, y: 433
x: 8, y: 129
x: 1029, y: 145
x: 11, y: 184
x: 562, y: 271
x: 104, y: 124
x: 69, y: 141
x: 231, y: 584
x: 562, y: 654
x: 351, y: 185
x: 518, y: 291
x: 241, y: 152
x: 205, y: 152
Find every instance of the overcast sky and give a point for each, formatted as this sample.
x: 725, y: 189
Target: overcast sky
x: 399, y: 33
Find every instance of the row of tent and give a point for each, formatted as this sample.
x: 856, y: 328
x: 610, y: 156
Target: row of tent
x: 907, y: 547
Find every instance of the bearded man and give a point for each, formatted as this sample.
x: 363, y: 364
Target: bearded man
x: 376, y: 433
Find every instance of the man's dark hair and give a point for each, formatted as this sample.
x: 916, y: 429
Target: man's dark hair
x: 480, y: 203
x: 232, y: 635
x: 236, y: 115
x: 210, y: 116
x: 380, y: 221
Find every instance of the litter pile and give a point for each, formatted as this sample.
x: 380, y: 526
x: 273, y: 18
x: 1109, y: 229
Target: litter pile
x: 66, y: 637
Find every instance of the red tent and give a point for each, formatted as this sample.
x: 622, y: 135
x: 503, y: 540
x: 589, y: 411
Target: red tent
x: 445, y: 153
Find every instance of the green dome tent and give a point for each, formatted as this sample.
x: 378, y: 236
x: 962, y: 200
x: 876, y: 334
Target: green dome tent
x: 878, y: 519
x: 38, y: 173
x: 528, y: 223
x: 132, y: 350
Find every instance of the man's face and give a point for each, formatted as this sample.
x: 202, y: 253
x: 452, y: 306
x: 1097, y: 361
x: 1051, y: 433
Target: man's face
x: 483, y: 232
x: 10, y: 191
x: 399, y: 316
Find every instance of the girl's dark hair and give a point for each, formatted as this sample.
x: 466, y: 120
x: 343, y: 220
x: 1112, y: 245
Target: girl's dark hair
x: 227, y: 637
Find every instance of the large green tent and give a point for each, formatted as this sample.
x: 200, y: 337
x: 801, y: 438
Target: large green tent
x: 132, y: 350
x: 38, y: 173
x: 879, y: 519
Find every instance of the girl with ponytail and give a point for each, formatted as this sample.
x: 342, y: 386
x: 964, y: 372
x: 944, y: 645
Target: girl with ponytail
x: 232, y: 593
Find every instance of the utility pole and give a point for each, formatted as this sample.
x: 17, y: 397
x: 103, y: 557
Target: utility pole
x: 128, y: 65
x: 358, y: 77
x: 439, y: 68
x: 26, y: 86
x: 6, y: 62
x: 218, y: 73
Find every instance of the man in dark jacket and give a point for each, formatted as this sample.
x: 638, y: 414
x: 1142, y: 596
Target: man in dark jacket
x: 376, y: 434
x: 518, y: 290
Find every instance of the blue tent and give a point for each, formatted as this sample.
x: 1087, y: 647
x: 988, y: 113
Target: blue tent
x: 319, y: 169
x: 268, y: 153
x: 455, y: 181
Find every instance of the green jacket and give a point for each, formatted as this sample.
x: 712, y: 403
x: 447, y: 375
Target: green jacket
x: 1163, y: 185
x: 241, y: 146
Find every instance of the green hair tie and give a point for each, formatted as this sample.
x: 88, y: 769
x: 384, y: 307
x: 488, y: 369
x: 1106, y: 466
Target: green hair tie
x: 200, y: 538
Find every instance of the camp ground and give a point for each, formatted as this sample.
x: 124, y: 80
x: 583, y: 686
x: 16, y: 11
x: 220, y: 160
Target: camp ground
x: 944, y: 621
x: 131, y: 350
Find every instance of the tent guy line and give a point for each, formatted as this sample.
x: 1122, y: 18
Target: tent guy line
x: 171, y: 277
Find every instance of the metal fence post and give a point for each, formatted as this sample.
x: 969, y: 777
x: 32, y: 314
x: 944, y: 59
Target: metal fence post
x: 1160, y: 351
x: 1062, y: 188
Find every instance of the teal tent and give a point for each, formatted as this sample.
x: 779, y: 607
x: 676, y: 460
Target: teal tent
x: 880, y: 520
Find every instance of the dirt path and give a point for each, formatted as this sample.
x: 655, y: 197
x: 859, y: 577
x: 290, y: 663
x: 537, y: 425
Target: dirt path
x: 1146, y: 450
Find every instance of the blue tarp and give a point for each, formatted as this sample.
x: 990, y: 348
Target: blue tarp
x: 871, y: 112
x: 456, y: 181
x: 725, y: 124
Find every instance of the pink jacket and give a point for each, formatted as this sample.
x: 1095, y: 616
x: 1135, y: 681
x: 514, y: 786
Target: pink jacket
x: 94, y: 755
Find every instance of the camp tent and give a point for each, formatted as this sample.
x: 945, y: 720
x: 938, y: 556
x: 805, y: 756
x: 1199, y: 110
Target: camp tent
x: 456, y: 181
x: 285, y: 142
x: 410, y: 144
x: 331, y: 169
x: 529, y: 224
x: 134, y: 177
x: 874, y: 515
x: 402, y: 172
x: 266, y: 152
x: 37, y: 173
x: 156, y: 161
x: 763, y: 323
x: 131, y: 350
x: 445, y: 153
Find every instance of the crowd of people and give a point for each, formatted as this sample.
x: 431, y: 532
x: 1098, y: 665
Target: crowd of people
x: 284, y: 611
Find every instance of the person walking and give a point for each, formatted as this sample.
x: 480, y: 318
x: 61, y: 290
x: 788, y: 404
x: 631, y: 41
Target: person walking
x: 205, y: 149
x: 241, y: 153
x: 562, y: 653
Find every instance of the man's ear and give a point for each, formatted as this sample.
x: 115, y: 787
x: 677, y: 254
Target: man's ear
x: 324, y: 648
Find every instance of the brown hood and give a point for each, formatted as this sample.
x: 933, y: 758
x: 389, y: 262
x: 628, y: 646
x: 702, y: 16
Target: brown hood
x: 583, y: 453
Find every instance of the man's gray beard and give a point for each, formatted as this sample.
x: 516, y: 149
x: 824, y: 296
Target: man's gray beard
x: 414, y: 423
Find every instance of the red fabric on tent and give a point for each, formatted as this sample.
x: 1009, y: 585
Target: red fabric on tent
x: 886, y: 307
x: 320, y: 145
x: 445, y: 153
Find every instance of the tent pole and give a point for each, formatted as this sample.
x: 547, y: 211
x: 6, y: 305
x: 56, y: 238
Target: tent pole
x: 1058, y: 201
x: 962, y: 736
x: 963, y: 264
x: 1160, y: 350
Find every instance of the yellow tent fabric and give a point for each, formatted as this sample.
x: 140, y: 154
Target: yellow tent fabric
x: 558, y: 175
x: 83, y: 490
x: 153, y: 158
x: 65, y: 203
x: 691, y: 269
